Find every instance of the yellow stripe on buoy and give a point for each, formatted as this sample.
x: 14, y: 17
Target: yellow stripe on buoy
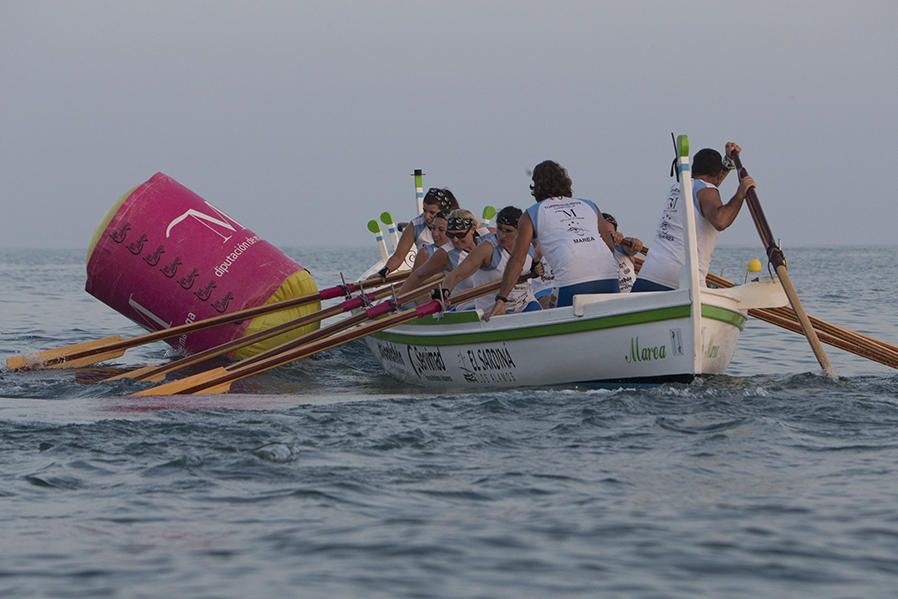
x: 298, y: 284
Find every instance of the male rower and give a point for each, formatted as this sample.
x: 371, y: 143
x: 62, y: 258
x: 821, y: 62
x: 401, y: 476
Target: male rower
x: 661, y: 270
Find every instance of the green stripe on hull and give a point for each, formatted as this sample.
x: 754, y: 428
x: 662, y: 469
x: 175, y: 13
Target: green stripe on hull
x: 564, y: 328
x: 722, y: 314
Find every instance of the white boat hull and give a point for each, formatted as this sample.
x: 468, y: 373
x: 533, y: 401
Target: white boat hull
x: 602, y: 338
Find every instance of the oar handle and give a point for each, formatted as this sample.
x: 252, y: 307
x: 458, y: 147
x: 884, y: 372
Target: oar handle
x: 774, y: 252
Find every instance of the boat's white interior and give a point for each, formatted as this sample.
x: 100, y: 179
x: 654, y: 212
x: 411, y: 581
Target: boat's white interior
x: 764, y: 293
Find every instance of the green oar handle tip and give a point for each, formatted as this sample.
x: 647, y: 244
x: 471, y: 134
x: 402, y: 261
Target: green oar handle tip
x: 373, y: 226
x: 683, y: 146
x: 386, y: 218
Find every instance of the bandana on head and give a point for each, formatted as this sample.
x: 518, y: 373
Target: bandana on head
x: 505, y: 219
x: 460, y: 224
x: 443, y: 197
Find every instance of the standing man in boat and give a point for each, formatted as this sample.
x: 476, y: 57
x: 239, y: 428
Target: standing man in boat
x: 662, y: 267
x: 574, y: 238
x: 417, y: 232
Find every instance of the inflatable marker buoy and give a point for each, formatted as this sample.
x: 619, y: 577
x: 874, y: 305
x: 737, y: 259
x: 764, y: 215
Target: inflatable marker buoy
x: 163, y: 256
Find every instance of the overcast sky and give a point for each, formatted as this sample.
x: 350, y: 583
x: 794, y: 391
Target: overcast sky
x: 305, y: 119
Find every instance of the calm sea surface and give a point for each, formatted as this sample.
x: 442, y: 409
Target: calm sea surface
x: 327, y: 478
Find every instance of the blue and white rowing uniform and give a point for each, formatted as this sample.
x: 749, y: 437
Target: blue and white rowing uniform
x: 665, y: 261
x: 456, y: 256
x: 431, y: 248
x: 568, y: 233
x: 521, y: 298
x: 422, y: 233
x: 626, y: 272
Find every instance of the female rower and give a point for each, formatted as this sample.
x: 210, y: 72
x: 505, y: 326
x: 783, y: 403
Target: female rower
x: 462, y: 231
x: 573, y: 237
x: 487, y: 261
x: 624, y: 249
x: 440, y: 240
x: 417, y: 232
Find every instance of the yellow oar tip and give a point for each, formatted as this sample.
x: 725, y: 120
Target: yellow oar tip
x: 754, y: 265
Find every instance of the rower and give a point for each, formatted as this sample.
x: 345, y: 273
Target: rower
x: 486, y: 263
x: 661, y: 270
x: 573, y: 237
x: 440, y: 240
x: 624, y: 248
x: 417, y: 232
x: 462, y: 231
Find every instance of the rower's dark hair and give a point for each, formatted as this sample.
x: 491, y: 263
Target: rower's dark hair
x: 707, y: 161
x: 510, y: 215
x: 550, y: 180
x: 441, y: 196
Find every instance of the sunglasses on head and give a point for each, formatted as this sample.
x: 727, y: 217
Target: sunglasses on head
x: 457, y: 234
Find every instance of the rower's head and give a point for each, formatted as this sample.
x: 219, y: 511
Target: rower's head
x: 461, y: 227
x: 709, y: 164
x: 438, y: 228
x: 507, y: 226
x: 610, y: 220
x: 550, y: 180
x: 438, y: 199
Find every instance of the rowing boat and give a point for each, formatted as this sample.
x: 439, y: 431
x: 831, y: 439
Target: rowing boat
x: 641, y: 337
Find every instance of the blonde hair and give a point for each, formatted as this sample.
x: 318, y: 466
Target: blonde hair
x: 462, y: 213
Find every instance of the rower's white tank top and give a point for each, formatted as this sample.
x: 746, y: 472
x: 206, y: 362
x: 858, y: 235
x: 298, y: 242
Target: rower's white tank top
x: 568, y: 234
x: 520, y: 295
x: 668, y: 251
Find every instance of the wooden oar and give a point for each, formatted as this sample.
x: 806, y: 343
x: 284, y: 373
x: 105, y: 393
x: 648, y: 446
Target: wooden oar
x: 90, y: 352
x: 157, y: 373
x: 219, y: 380
x: 784, y: 317
x: 776, y: 257
x: 846, y: 339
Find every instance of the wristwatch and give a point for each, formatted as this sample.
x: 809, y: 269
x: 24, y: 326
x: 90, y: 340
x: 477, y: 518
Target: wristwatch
x: 501, y: 297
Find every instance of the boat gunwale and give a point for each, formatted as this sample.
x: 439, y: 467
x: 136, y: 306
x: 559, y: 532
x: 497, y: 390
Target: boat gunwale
x: 445, y: 335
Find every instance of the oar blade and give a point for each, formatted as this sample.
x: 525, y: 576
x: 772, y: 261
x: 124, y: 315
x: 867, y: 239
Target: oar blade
x: 39, y: 359
x: 88, y: 360
x: 137, y: 373
x: 181, y: 385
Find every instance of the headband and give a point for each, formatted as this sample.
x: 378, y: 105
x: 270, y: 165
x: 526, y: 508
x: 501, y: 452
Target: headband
x: 443, y: 197
x: 506, y: 219
x: 460, y: 224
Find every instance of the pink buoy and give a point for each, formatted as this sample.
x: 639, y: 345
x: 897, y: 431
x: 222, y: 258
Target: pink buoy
x: 164, y: 256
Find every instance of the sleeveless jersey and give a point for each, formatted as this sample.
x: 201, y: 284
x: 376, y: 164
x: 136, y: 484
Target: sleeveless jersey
x: 519, y: 296
x: 668, y: 253
x: 422, y: 233
x: 431, y: 248
x: 568, y: 234
x: 626, y: 273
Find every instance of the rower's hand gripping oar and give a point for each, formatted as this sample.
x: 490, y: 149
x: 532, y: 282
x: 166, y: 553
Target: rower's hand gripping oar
x: 778, y: 260
x: 90, y: 352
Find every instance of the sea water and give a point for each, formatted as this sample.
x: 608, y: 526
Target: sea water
x: 327, y: 478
